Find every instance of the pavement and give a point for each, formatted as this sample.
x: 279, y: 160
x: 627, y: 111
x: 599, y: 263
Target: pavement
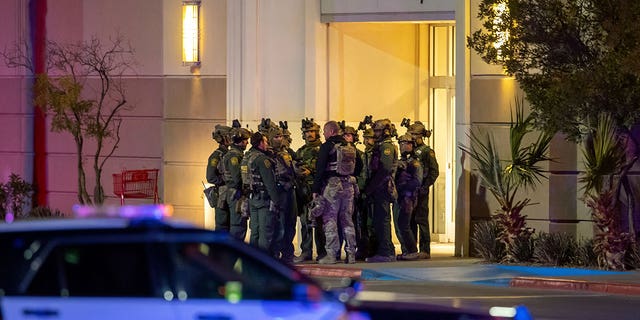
x: 443, y: 266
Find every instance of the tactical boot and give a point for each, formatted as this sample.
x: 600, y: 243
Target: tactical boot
x: 328, y: 259
x: 409, y: 256
x: 301, y: 259
x: 378, y: 258
x: 350, y: 259
x: 424, y: 255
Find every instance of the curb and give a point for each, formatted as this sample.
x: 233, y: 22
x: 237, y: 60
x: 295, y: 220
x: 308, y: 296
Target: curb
x: 325, y: 271
x: 579, y: 285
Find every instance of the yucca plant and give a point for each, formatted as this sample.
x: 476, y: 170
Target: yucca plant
x: 605, y: 164
x: 557, y: 248
x: 485, y: 242
x: 505, y: 177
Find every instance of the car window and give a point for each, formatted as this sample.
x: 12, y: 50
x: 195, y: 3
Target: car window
x: 213, y: 270
x: 106, y: 270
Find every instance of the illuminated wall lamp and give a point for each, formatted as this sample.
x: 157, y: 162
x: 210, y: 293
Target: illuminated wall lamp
x: 191, y: 33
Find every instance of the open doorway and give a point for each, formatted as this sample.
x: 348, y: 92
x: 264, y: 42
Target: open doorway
x: 400, y: 70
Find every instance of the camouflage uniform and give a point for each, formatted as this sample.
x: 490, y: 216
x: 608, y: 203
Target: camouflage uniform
x: 420, y: 221
x: 215, y: 177
x: 381, y: 190
x: 307, y: 156
x: 408, y: 180
x: 339, y: 190
x: 233, y: 180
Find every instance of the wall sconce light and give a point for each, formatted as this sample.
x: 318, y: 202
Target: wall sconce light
x: 191, y: 33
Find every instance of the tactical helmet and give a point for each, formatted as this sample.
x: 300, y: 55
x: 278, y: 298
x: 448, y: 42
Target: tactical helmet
x: 220, y: 133
x: 352, y: 131
x: 406, y: 138
x: 383, y: 125
x: 418, y: 128
x: 239, y: 134
x: 309, y: 125
x: 368, y: 133
x: 317, y: 207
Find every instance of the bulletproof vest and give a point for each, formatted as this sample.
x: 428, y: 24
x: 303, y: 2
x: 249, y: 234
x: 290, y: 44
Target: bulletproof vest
x: 220, y: 154
x: 284, y: 168
x: 345, y: 159
x: 256, y: 180
x: 245, y: 168
x: 226, y: 173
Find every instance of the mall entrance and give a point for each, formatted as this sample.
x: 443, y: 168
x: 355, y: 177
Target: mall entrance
x: 400, y: 70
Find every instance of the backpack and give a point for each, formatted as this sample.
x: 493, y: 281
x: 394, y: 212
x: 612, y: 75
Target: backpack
x: 345, y: 159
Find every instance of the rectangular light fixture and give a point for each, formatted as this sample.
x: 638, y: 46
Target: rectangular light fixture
x: 191, y: 33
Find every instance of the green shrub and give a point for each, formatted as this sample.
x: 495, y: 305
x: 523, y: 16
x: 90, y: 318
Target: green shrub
x: 586, y: 255
x: 557, y: 248
x: 15, y: 196
x: 44, y: 213
x: 521, y: 249
x: 486, y: 243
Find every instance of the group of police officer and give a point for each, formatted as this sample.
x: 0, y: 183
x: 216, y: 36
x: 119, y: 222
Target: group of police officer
x: 341, y: 194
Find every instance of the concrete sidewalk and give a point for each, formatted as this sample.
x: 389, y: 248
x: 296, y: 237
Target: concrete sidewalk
x: 444, y: 267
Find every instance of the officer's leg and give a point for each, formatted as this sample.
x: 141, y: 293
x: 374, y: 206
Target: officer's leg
x: 408, y: 239
x: 422, y: 219
x: 288, y: 224
x: 382, y: 226
x: 320, y: 239
x: 268, y: 226
x: 345, y: 218
x: 238, y: 223
x: 222, y: 219
x: 396, y: 224
x: 254, y: 224
x: 306, y: 235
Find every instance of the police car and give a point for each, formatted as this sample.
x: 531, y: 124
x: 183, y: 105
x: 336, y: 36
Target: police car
x: 136, y: 264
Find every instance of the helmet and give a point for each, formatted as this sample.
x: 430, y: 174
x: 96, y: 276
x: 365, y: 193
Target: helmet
x: 239, y: 134
x: 220, y: 133
x: 368, y: 133
x: 406, y: 138
x: 383, y: 125
x: 317, y: 207
x: 418, y: 128
x: 352, y: 131
x: 309, y: 125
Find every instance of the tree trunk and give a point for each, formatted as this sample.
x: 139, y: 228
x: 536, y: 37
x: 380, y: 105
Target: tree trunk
x: 83, y: 195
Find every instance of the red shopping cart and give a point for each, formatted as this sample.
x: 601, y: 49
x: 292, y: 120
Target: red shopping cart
x: 136, y: 184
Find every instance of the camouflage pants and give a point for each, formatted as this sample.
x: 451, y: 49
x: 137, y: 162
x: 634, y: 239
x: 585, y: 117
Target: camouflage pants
x: 339, y: 193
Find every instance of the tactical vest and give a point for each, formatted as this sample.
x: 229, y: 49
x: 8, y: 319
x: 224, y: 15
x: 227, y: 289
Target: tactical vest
x: 246, y: 170
x: 223, y: 168
x: 345, y: 159
x: 284, y: 169
x: 256, y: 180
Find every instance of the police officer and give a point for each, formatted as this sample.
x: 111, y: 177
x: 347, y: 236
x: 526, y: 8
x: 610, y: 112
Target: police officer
x: 420, y: 221
x: 381, y: 189
x: 350, y: 135
x: 369, y: 245
x: 233, y: 179
x: 305, y: 171
x: 335, y: 181
x: 215, y: 177
x: 264, y: 195
x: 408, y: 181
x: 285, y: 179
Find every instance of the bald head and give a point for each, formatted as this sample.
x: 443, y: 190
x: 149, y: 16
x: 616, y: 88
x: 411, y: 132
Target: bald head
x: 331, y: 128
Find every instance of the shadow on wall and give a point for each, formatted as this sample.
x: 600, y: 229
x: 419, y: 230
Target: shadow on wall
x: 478, y: 210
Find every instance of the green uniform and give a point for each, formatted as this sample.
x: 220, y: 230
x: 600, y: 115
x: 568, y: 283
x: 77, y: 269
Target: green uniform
x: 381, y: 189
x: 263, y: 201
x: 420, y: 220
x: 233, y: 180
x: 307, y: 156
x: 215, y: 177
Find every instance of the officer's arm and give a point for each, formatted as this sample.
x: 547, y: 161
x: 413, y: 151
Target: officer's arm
x: 234, y: 169
x: 265, y: 168
x: 417, y: 172
x: 434, y: 171
x: 212, y: 163
x: 321, y: 165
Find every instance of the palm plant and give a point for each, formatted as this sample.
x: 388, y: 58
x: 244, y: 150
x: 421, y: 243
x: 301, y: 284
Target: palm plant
x: 605, y: 167
x: 504, y: 178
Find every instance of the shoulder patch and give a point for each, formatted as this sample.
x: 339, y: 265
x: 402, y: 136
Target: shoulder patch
x: 234, y: 161
x: 432, y: 153
x: 418, y: 152
x: 387, y: 151
x: 267, y: 163
x: 214, y: 162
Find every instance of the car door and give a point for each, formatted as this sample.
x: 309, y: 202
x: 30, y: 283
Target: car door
x: 90, y: 280
x: 218, y: 280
